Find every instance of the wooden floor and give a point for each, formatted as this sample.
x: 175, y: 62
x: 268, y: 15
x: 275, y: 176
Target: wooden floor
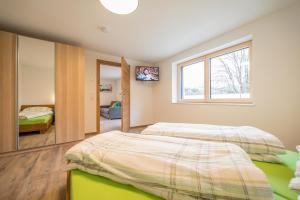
x: 36, y: 175
x: 108, y: 125
x: 28, y: 141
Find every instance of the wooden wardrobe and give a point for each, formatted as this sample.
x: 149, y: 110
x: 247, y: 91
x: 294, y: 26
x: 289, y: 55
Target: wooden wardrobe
x: 8, y: 100
x: 69, y: 92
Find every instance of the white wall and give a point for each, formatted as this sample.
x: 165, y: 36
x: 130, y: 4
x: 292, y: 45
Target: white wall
x: 36, y: 85
x: 107, y: 97
x: 118, y: 90
x: 275, y: 74
x: 141, y: 93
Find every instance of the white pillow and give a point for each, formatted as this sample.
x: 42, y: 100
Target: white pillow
x: 297, y: 172
x: 295, y: 184
x: 38, y: 109
x: 298, y: 148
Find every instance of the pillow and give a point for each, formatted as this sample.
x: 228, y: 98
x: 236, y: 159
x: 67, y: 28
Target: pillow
x: 38, y: 109
x: 297, y: 172
x: 116, y: 104
x: 295, y: 184
x: 298, y: 148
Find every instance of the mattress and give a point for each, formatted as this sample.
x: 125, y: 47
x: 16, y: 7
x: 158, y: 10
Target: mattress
x: 86, y: 186
x: 37, y: 120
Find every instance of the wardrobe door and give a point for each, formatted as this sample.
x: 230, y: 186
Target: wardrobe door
x: 69, y: 98
x: 8, y: 48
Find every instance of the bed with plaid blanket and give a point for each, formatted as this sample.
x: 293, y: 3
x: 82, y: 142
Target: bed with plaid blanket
x: 260, y: 145
x: 172, y: 168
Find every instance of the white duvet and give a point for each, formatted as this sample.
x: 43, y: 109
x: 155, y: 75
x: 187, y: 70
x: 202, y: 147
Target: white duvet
x: 259, y: 144
x: 32, y: 114
x: 172, y: 168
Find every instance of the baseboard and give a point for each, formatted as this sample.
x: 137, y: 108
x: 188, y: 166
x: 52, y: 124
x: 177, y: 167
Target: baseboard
x: 90, y: 133
x: 141, y: 126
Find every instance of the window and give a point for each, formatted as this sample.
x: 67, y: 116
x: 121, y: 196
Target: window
x: 222, y: 76
x: 192, y: 82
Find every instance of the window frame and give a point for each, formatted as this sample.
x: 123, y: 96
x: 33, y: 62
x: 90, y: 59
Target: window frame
x: 206, y: 58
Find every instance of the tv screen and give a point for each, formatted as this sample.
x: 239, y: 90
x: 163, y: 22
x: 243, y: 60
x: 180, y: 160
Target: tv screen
x: 144, y: 73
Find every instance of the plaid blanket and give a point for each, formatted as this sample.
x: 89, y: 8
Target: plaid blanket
x: 172, y: 168
x: 259, y: 144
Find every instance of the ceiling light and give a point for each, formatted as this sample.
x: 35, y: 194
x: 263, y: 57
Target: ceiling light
x: 120, y: 6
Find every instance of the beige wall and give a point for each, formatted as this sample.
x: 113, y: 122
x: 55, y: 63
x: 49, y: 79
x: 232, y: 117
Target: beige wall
x: 141, y: 93
x: 36, y: 85
x: 275, y: 80
x: 36, y: 71
x: 107, y: 97
x: 118, y: 91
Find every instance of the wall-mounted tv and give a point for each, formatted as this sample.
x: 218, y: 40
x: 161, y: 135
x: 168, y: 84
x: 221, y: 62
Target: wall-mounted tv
x: 144, y: 73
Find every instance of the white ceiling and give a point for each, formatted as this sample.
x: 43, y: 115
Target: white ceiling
x: 109, y: 72
x: 156, y: 30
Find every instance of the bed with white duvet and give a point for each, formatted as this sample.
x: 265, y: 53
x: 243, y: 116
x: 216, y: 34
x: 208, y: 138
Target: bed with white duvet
x: 260, y: 145
x: 172, y: 168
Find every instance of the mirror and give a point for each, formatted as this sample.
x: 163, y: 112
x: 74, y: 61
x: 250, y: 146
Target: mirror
x: 36, y: 93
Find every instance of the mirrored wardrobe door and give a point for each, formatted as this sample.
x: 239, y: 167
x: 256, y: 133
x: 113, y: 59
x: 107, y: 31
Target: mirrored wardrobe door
x: 36, y: 93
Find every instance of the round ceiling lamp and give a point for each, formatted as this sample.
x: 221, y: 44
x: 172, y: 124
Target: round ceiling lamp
x: 121, y: 7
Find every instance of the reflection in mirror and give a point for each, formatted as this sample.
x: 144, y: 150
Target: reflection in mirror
x: 36, y: 90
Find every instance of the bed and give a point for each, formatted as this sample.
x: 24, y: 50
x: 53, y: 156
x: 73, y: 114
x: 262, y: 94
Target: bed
x: 82, y: 185
x: 259, y: 144
x: 106, y: 149
x: 41, y: 123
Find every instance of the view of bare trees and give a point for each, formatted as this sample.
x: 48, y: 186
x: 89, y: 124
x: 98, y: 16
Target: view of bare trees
x: 230, y: 73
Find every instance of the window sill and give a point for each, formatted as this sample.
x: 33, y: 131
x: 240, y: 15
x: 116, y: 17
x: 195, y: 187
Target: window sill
x: 246, y: 103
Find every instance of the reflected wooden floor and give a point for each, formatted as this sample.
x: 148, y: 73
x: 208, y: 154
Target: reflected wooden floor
x: 36, y: 175
x: 28, y: 141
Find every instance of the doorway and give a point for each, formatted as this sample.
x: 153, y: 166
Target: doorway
x: 113, y: 96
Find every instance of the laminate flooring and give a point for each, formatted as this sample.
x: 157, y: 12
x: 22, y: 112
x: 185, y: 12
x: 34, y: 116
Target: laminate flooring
x: 36, y: 175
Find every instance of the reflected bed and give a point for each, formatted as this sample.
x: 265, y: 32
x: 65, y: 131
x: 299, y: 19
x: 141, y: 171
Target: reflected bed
x: 41, y: 123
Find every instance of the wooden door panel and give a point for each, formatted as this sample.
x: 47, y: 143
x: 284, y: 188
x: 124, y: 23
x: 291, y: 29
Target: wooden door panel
x: 125, y: 85
x: 69, y: 93
x: 8, y: 112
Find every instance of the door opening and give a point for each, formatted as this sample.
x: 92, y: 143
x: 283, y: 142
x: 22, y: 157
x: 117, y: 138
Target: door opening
x: 112, y: 103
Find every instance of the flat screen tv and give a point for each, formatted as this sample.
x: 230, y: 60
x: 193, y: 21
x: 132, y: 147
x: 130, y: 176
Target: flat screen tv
x: 144, y: 73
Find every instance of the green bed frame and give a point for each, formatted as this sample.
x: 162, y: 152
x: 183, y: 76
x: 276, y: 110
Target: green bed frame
x: 82, y: 186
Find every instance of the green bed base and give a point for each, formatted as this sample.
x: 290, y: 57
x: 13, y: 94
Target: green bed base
x: 36, y: 120
x: 279, y: 175
x: 86, y: 186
